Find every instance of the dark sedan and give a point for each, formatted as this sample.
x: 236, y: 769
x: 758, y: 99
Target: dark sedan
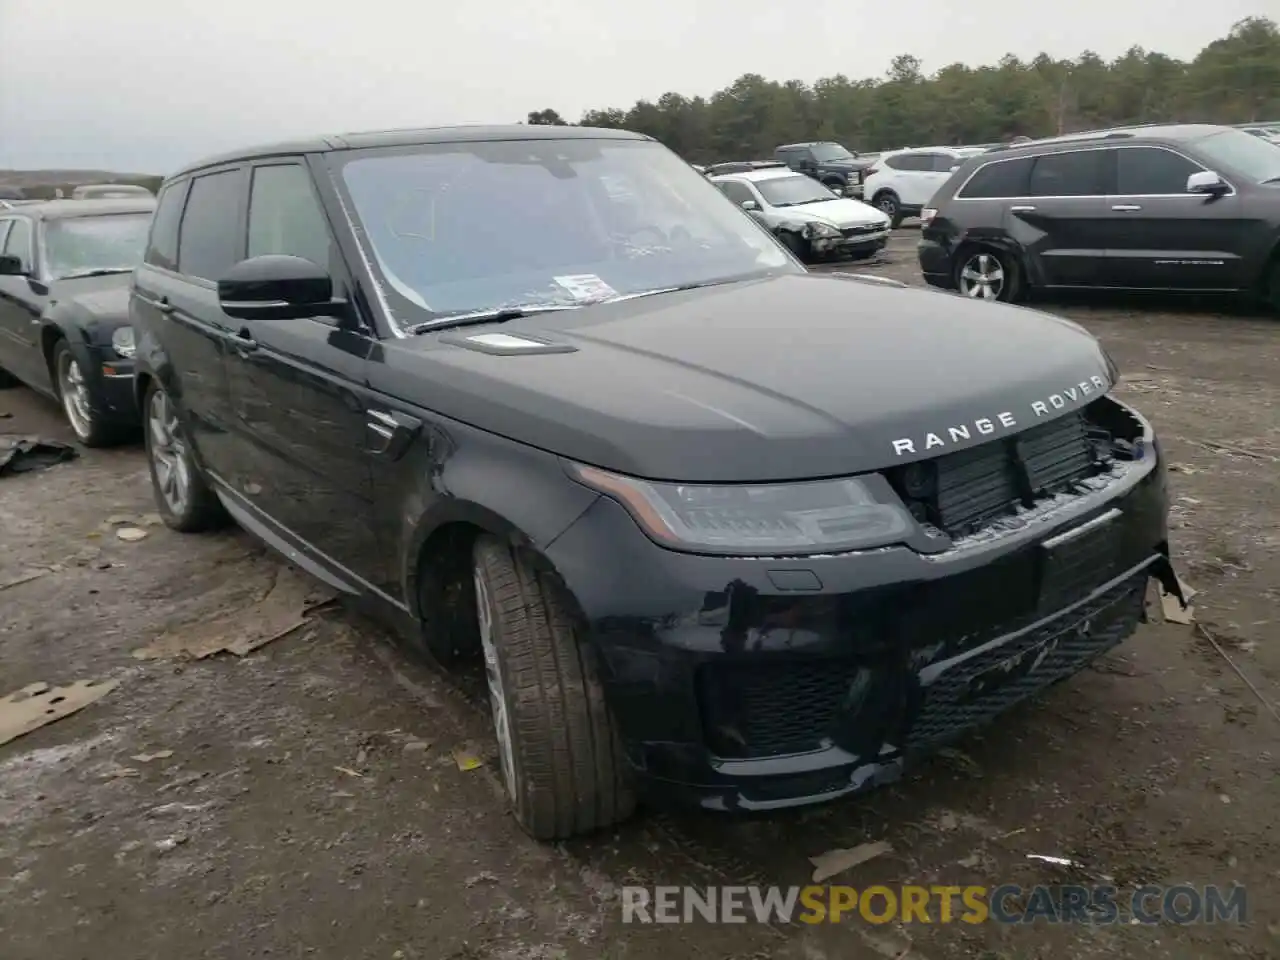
x: 64, y: 281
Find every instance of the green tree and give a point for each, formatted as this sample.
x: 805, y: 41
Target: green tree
x: 1234, y: 79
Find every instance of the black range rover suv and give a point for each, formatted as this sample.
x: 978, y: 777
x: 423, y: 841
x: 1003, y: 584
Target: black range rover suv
x: 716, y: 526
x: 1190, y: 208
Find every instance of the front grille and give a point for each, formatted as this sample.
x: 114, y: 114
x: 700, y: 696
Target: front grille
x: 962, y: 697
x: 758, y: 709
x: 786, y: 705
x: 862, y: 231
x: 960, y: 493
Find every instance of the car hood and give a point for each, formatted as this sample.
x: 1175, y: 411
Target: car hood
x: 106, y: 298
x: 842, y: 213
x: 794, y: 376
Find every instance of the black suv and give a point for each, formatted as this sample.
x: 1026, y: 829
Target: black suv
x: 829, y: 163
x: 1180, y: 208
x: 64, y: 303
x: 716, y: 526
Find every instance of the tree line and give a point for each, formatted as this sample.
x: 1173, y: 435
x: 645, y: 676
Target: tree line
x: 1235, y: 79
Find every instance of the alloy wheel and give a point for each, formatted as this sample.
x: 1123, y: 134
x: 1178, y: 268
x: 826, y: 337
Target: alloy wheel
x: 497, y: 691
x: 169, y: 455
x: 982, y: 277
x: 75, y: 395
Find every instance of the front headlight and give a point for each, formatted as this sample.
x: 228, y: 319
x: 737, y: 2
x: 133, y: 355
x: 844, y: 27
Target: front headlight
x: 816, y: 229
x: 122, y: 342
x: 825, y: 516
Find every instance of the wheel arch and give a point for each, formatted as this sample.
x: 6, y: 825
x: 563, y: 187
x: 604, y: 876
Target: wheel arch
x: 972, y: 244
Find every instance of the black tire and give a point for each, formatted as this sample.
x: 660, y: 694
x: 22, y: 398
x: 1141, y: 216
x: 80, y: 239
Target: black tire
x: 562, y: 764
x: 888, y: 203
x: 200, y: 509
x: 798, y: 245
x: 1010, y: 287
x: 90, y: 425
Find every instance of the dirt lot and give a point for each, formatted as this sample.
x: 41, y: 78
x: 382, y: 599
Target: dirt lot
x: 312, y: 806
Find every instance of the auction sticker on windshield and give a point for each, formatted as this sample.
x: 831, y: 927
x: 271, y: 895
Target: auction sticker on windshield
x: 586, y: 286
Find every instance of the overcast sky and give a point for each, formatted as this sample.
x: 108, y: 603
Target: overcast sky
x: 144, y: 85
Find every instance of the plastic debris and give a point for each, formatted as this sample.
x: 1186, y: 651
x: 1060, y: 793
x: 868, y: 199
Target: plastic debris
x: 131, y: 534
x: 29, y: 454
x: 148, y: 757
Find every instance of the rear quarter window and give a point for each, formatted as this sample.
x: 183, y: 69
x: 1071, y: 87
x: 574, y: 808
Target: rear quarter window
x: 996, y: 179
x: 162, y: 245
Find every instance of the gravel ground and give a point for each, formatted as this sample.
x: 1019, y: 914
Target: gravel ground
x: 303, y: 799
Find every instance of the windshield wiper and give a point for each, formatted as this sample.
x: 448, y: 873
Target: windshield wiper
x: 503, y: 314
x: 493, y: 315
x: 97, y: 272
x: 1272, y: 180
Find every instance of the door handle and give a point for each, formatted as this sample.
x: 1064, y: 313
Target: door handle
x: 164, y: 306
x: 243, y: 341
x: 1126, y: 207
x: 1021, y: 208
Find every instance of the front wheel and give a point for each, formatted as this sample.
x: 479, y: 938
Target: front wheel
x: 985, y: 274
x: 890, y: 206
x: 81, y: 407
x: 185, y: 500
x: 562, y: 761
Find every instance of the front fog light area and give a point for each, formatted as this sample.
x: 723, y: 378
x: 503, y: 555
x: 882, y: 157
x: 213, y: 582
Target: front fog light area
x: 122, y: 342
x: 828, y: 516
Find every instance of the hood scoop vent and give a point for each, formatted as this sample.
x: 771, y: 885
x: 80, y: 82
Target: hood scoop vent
x: 507, y: 344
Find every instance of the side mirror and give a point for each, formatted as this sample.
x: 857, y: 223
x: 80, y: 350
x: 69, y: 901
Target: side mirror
x: 750, y: 205
x: 1208, y: 183
x: 11, y: 266
x: 277, y: 287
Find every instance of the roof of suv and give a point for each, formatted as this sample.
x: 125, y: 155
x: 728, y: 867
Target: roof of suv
x: 69, y: 209
x: 1154, y: 131
x: 464, y: 133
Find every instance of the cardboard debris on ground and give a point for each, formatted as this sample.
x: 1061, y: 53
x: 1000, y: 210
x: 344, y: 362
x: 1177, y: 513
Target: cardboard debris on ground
x: 39, y: 704
x: 467, y: 758
x: 148, y: 757
x: 1171, y: 608
x: 827, y: 865
x: 282, y: 611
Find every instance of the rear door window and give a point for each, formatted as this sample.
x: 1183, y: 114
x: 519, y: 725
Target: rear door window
x: 1152, y: 172
x: 211, y: 241
x: 1001, y: 179
x: 1078, y: 173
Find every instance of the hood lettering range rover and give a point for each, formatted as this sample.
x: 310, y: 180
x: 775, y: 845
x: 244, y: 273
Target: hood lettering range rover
x: 715, y: 526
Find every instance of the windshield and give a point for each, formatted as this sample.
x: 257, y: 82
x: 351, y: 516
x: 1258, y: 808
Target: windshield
x: 792, y: 191
x: 826, y: 152
x: 1253, y: 157
x: 463, y: 227
x: 79, y: 245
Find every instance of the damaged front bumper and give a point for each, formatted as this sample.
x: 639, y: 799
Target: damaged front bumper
x: 757, y: 683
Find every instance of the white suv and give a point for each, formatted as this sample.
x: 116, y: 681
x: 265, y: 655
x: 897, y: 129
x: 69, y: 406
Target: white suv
x: 901, y: 182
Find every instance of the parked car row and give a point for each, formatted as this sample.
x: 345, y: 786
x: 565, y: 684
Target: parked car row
x: 719, y: 529
x: 1192, y: 207
x: 64, y: 294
